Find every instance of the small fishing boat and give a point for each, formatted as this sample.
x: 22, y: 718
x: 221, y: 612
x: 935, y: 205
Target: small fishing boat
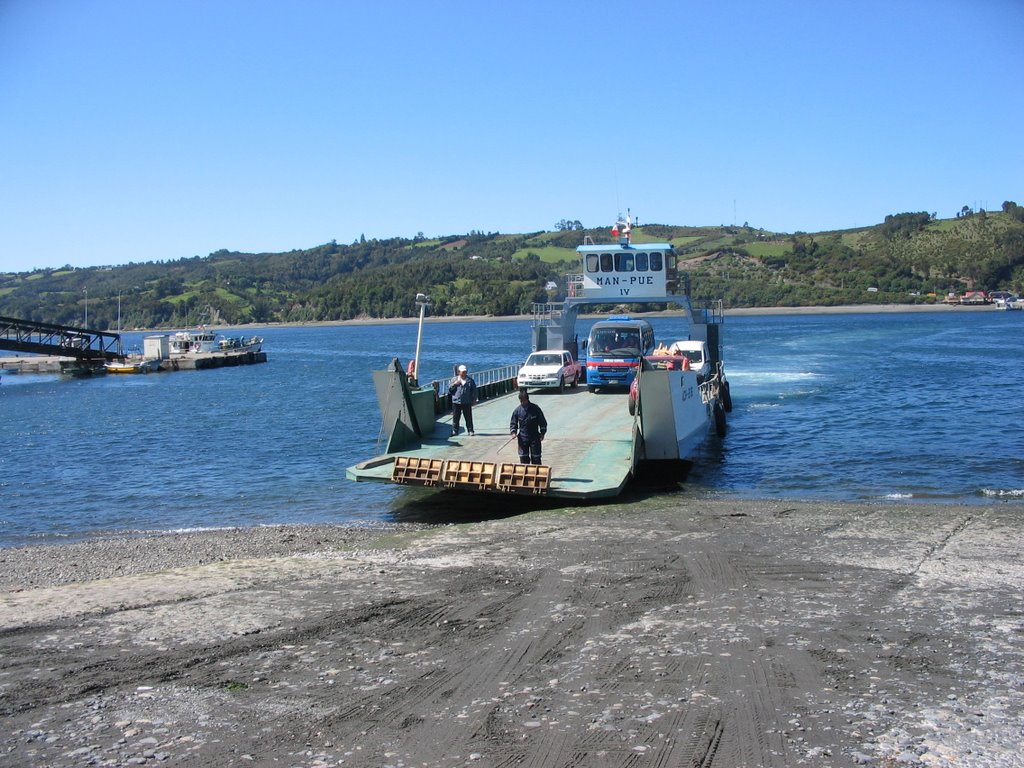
x: 132, y: 366
x: 82, y: 369
x: 238, y: 343
x: 193, y: 342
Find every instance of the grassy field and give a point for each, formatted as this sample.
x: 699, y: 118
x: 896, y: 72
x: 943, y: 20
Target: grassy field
x: 549, y: 254
x: 770, y: 248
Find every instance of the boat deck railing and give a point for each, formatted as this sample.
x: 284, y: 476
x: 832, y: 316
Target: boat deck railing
x: 709, y: 390
x: 489, y: 383
x: 711, y: 311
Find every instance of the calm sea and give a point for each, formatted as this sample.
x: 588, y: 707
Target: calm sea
x: 909, y: 407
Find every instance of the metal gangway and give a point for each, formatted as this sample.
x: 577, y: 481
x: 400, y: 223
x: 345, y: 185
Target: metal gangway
x: 84, y: 344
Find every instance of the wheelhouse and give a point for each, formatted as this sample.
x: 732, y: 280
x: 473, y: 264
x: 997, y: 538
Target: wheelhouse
x: 622, y: 271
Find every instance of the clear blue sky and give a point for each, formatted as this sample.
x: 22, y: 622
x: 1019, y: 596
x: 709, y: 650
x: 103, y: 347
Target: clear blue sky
x: 142, y: 130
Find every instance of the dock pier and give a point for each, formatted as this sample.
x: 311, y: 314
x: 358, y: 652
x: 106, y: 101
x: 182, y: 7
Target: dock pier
x: 198, y: 362
x: 206, y: 360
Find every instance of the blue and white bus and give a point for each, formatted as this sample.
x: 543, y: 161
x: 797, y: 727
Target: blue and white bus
x: 614, y: 350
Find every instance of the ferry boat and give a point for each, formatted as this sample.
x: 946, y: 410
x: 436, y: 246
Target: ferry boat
x: 597, y: 438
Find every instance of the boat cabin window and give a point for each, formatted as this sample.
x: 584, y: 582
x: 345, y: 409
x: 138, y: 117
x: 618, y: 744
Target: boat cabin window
x: 625, y: 261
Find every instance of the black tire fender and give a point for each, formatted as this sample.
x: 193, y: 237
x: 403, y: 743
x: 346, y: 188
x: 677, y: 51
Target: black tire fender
x: 726, y: 397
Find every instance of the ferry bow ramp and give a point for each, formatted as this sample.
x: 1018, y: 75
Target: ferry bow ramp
x: 587, y: 452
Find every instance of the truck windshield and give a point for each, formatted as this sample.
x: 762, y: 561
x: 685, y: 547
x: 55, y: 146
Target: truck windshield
x: 544, y: 360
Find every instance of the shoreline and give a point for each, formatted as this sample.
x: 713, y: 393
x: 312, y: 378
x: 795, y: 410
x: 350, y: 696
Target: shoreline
x: 62, y: 563
x: 731, y: 312
x: 844, y: 309
x: 763, y: 633
x: 734, y: 312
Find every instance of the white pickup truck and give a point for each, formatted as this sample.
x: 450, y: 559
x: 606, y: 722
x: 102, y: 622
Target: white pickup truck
x: 550, y: 369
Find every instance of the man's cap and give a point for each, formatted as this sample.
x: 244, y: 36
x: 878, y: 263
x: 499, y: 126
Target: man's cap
x: 523, y: 394
x: 462, y: 368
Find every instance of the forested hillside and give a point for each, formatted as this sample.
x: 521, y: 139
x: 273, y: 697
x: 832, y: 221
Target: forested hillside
x: 908, y: 258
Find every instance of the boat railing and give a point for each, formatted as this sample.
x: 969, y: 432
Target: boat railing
x: 709, y: 390
x: 489, y: 383
x: 712, y: 312
x: 495, y: 375
x: 547, y: 314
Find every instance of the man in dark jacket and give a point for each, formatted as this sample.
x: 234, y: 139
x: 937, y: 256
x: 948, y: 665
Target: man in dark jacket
x: 463, y: 393
x: 529, y: 424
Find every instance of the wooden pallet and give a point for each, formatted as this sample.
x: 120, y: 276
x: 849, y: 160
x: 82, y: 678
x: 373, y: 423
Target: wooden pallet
x: 524, y: 478
x: 411, y: 470
x: 472, y: 475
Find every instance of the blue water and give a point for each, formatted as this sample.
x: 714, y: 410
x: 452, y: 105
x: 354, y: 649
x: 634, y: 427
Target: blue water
x: 914, y: 407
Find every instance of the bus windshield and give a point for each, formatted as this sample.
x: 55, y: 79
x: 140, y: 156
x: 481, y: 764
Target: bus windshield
x: 614, y: 350
x: 615, y: 342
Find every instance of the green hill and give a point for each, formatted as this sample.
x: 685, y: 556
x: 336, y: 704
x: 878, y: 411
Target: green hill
x: 908, y: 258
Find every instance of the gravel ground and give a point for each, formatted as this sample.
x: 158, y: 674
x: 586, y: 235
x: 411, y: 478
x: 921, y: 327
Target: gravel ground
x: 47, y: 566
x: 648, y: 632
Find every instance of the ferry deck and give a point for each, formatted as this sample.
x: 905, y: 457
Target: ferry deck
x: 588, y: 446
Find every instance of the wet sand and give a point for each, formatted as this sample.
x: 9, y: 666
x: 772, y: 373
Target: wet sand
x: 649, y: 632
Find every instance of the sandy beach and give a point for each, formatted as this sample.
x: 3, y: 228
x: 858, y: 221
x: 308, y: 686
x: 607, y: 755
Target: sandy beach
x: 653, y: 631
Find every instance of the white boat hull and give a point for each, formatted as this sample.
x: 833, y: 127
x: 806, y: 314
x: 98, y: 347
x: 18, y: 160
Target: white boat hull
x: 675, y: 415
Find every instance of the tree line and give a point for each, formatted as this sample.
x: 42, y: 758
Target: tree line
x: 902, y: 259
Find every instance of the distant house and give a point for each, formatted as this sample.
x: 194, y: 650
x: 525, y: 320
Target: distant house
x: 975, y: 297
